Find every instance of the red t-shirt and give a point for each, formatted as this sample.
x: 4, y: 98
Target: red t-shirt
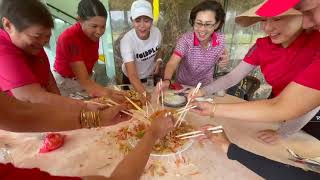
x: 73, y: 45
x: 18, y: 68
x: 280, y: 66
x: 9, y: 172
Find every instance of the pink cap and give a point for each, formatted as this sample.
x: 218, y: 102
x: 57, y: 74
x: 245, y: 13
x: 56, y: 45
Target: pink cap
x: 275, y: 7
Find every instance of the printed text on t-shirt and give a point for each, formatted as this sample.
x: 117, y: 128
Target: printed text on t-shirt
x: 147, y: 54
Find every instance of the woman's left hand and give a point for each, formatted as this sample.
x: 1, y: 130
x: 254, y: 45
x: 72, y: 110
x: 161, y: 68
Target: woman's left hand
x: 220, y: 139
x: 224, y: 59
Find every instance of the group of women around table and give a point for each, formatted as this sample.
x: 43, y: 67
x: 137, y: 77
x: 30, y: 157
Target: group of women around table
x: 36, y: 99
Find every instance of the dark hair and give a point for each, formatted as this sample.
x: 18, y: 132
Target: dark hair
x: 209, y: 5
x: 91, y: 8
x: 23, y: 14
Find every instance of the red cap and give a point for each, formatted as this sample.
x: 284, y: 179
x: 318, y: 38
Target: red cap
x: 275, y: 7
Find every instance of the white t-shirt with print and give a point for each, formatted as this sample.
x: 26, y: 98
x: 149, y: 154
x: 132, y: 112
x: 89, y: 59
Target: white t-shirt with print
x: 142, y: 52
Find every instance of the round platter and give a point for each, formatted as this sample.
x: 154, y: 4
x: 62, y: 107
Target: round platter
x: 174, y: 100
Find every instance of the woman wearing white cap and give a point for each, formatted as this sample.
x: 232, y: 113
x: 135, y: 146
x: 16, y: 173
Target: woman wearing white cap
x: 140, y: 47
x: 283, y: 56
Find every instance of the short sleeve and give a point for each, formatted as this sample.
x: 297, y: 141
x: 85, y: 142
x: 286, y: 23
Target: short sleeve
x: 253, y: 55
x: 70, y: 48
x: 181, y: 47
x: 126, y: 49
x: 310, y: 77
x: 14, y: 72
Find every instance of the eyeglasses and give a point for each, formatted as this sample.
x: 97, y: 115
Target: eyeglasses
x: 206, y: 25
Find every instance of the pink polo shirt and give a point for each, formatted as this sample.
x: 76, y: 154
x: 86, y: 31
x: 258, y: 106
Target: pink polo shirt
x: 299, y: 62
x: 72, y: 46
x: 197, y: 63
x: 18, y: 68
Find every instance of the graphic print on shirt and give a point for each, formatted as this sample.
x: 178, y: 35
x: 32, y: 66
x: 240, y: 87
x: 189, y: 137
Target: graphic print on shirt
x: 146, y: 55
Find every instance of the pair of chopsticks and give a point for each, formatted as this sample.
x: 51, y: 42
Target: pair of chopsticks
x: 134, y: 104
x: 147, y: 107
x: 183, y: 110
x: 110, y: 103
x: 138, y: 107
x: 162, y: 98
x: 194, y: 134
x: 182, y: 115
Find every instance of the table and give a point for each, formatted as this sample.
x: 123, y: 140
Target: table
x: 94, y: 151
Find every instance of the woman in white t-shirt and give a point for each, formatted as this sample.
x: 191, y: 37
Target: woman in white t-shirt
x: 140, y: 47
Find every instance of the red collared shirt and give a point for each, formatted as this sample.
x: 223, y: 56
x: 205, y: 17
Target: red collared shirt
x: 18, y: 68
x: 299, y: 62
x: 72, y: 46
x: 197, y: 64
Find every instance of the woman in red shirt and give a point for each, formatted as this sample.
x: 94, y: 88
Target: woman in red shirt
x: 77, y: 51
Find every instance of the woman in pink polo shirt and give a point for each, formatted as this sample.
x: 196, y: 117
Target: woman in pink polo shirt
x: 77, y: 51
x: 24, y: 66
x: 283, y: 56
x: 197, y: 52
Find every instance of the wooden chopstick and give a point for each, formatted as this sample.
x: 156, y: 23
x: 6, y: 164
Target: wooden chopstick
x: 93, y: 102
x: 134, y: 104
x: 158, y: 95
x: 201, y: 134
x: 110, y: 105
x: 182, y: 116
x: 217, y: 128
x: 116, y: 88
x: 162, y: 98
x: 183, y: 109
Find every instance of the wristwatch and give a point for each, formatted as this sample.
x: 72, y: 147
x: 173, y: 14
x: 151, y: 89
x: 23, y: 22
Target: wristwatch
x: 168, y: 80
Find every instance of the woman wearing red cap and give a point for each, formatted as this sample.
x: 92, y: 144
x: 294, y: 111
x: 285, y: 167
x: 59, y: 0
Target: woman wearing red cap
x: 284, y: 57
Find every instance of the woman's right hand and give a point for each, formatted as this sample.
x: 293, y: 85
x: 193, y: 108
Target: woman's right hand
x: 161, y: 126
x: 203, y: 108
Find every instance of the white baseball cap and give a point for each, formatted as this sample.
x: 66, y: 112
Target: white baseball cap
x: 141, y: 8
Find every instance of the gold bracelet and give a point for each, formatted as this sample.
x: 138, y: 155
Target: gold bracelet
x: 213, y: 110
x: 89, y: 119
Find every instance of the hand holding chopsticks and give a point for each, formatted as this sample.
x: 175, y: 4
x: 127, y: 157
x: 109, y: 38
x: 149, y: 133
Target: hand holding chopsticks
x: 217, y: 129
x: 182, y: 116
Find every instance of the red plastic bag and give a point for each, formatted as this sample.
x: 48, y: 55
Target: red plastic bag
x: 52, y: 142
x: 176, y: 86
